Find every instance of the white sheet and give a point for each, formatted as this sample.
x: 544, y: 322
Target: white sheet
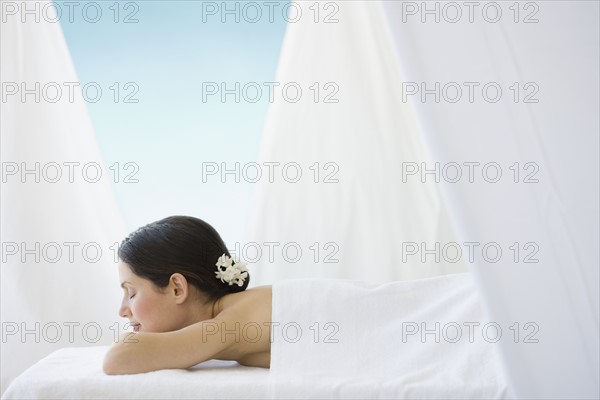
x: 371, y: 359
x: 76, y: 373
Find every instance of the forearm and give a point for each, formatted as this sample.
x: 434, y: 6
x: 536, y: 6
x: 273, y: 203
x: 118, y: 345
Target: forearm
x: 135, y: 353
x: 120, y: 357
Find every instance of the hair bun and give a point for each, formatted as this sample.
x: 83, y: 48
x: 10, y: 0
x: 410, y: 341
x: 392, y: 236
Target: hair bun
x: 236, y: 288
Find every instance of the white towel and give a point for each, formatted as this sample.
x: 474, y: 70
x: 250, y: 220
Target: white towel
x: 380, y: 351
x: 76, y: 373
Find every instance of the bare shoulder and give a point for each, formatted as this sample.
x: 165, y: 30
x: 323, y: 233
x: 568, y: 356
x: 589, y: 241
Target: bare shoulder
x: 248, y: 308
x: 257, y: 299
x: 245, y: 317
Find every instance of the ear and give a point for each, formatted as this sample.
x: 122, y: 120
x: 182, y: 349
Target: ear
x: 178, y: 287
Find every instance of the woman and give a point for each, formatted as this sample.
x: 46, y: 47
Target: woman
x: 187, y: 301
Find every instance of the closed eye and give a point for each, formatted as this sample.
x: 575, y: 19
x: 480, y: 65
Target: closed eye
x: 131, y: 297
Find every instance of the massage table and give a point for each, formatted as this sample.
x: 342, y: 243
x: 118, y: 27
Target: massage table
x: 369, y: 349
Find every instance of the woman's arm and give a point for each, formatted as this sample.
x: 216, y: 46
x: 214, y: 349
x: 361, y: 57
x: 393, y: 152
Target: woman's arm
x: 143, y: 352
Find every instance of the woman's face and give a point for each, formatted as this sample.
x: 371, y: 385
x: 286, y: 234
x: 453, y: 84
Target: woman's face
x: 147, y: 309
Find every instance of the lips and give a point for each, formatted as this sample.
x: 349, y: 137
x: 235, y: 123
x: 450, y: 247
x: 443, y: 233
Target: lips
x: 136, y: 327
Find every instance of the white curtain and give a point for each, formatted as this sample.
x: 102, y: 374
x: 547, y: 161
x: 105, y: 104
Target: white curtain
x: 371, y: 213
x: 59, y: 282
x: 557, y: 56
x: 353, y: 218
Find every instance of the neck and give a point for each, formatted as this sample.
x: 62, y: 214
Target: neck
x: 200, y: 311
x: 216, y: 308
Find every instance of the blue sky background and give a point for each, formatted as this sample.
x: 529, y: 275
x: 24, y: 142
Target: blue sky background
x: 168, y: 53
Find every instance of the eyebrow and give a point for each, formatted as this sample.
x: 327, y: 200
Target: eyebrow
x: 123, y: 284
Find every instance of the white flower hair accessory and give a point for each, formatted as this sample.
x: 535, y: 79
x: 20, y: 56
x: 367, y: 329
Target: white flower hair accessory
x: 229, y: 272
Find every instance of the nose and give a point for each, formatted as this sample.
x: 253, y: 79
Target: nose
x: 124, y: 310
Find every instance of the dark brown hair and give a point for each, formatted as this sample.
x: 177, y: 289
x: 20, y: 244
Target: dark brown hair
x: 187, y: 245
